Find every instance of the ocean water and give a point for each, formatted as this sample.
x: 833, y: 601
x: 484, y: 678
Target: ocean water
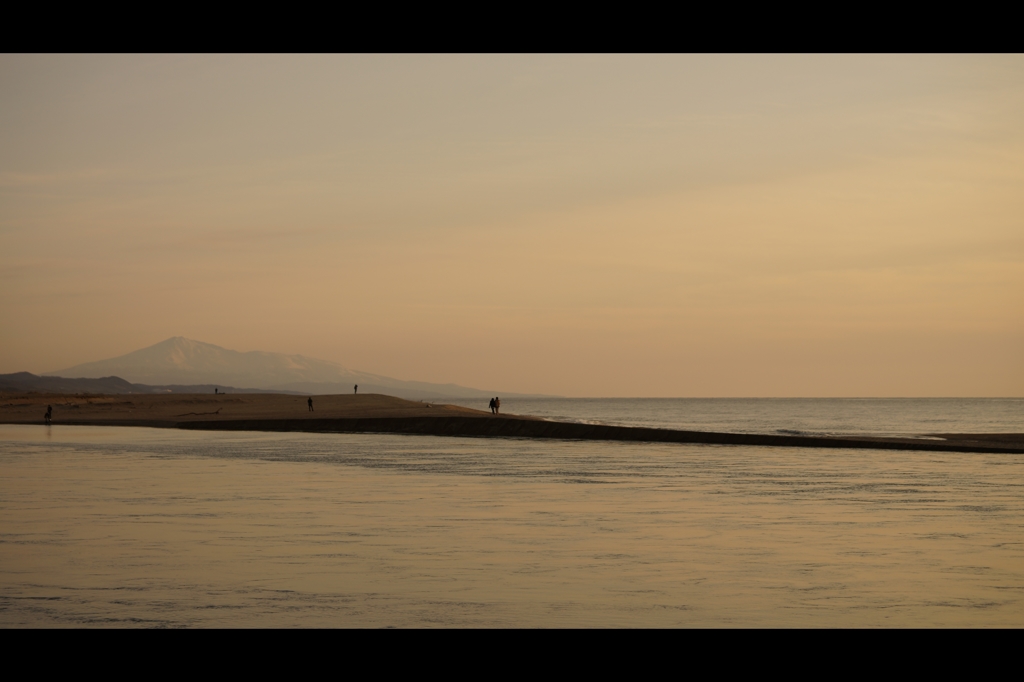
x: 137, y: 527
x: 812, y: 416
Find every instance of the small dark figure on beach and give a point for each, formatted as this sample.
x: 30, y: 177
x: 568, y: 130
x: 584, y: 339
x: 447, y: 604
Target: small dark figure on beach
x: 491, y: 405
x: 355, y: 390
x: 310, y: 403
x: 49, y: 413
x: 497, y: 404
x: 215, y: 391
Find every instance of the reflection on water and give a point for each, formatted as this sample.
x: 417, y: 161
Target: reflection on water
x: 117, y: 526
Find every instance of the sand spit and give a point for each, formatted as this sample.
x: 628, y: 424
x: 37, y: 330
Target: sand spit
x: 375, y: 413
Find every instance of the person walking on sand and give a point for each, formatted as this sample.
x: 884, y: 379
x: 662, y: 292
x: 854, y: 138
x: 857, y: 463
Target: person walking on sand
x: 49, y: 414
x: 497, y: 405
x: 355, y: 390
x: 491, y: 405
x: 310, y: 403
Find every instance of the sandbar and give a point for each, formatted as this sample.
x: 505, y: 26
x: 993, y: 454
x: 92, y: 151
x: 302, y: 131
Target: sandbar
x: 375, y: 413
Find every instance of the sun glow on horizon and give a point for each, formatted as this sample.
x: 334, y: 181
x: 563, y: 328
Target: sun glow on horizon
x: 576, y: 225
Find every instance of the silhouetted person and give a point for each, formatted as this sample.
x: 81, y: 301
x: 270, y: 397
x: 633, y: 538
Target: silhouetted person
x: 497, y: 405
x: 491, y: 405
x: 49, y: 413
x: 310, y: 403
x: 355, y: 390
x: 215, y: 391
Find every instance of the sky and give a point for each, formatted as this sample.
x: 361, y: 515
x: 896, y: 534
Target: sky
x: 578, y: 225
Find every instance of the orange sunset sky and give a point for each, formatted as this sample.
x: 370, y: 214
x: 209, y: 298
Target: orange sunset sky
x: 653, y: 225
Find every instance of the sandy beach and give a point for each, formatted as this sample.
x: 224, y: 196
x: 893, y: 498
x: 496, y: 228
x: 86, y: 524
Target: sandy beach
x: 375, y: 413
x: 171, y: 411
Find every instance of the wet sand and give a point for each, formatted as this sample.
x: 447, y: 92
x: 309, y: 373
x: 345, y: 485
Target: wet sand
x: 176, y: 410
x: 374, y: 413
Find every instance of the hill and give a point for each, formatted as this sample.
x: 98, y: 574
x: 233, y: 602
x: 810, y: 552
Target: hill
x: 26, y: 382
x: 180, y: 362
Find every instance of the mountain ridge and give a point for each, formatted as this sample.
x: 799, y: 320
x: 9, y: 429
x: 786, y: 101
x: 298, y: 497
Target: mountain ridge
x: 26, y: 382
x: 181, y: 361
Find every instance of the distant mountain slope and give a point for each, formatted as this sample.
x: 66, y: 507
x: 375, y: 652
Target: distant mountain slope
x: 24, y: 381
x: 181, y: 361
x: 27, y: 382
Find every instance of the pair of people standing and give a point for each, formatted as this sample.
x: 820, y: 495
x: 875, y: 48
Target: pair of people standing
x: 495, y: 405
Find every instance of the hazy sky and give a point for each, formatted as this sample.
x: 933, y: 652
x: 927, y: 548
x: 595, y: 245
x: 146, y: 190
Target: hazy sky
x: 576, y: 225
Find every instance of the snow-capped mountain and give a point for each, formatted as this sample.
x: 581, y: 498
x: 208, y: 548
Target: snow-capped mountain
x: 181, y: 361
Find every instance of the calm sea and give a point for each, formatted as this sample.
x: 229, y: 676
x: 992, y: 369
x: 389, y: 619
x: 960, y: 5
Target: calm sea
x: 817, y: 416
x: 134, y: 527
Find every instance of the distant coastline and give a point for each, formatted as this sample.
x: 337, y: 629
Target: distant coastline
x: 111, y: 385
